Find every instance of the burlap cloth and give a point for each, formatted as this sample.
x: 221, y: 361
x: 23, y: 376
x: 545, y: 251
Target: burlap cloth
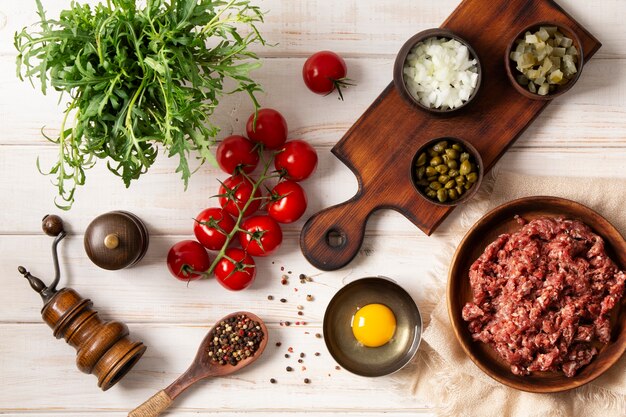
x: 444, y: 377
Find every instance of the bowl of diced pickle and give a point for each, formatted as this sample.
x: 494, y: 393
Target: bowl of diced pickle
x: 544, y: 61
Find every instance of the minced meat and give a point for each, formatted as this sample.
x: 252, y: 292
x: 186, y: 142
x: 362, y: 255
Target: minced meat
x: 543, y: 296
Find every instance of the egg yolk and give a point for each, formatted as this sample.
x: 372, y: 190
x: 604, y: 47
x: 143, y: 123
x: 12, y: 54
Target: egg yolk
x: 374, y: 325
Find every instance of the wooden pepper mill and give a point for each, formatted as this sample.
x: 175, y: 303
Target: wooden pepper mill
x: 103, y: 348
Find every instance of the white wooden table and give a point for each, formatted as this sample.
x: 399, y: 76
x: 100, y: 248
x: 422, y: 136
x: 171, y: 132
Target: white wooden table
x: 582, y: 133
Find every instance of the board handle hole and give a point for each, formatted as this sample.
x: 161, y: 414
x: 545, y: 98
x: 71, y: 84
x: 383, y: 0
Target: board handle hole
x: 336, y: 238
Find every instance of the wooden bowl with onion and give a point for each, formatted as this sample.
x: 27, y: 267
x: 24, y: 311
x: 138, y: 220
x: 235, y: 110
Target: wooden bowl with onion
x: 512, y: 71
x: 502, y: 220
x: 401, y: 58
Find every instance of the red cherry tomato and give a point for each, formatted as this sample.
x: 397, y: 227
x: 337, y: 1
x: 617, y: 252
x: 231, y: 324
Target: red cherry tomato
x: 324, y: 72
x: 270, y: 128
x: 185, y: 257
x: 288, y: 202
x: 297, y: 160
x: 211, y: 227
x: 235, y: 276
x: 263, y: 235
x: 240, y: 189
x: 237, y: 152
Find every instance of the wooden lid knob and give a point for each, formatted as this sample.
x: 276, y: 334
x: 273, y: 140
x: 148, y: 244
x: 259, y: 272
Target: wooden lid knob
x: 116, y: 240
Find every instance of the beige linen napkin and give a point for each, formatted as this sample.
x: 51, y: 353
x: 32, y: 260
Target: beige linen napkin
x: 446, y: 376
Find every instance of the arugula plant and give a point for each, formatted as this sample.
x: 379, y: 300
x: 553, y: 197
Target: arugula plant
x: 138, y: 78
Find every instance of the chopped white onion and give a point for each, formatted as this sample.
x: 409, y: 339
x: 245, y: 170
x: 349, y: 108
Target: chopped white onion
x: 440, y: 73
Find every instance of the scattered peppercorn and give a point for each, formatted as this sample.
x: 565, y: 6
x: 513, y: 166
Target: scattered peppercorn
x: 307, y: 381
x: 309, y: 297
x: 317, y: 353
x: 338, y: 367
x: 287, y: 355
x: 278, y: 344
x: 282, y: 300
x: 290, y: 350
x: 287, y: 323
x: 284, y: 280
x: 289, y: 369
x: 299, y: 307
x: 300, y: 313
x: 302, y: 276
x: 302, y: 355
x: 300, y: 361
x: 270, y: 297
x: 272, y: 380
x: 234, y: 340
x: 318, y: 335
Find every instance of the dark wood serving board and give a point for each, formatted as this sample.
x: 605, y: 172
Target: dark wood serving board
x: 380, y: 146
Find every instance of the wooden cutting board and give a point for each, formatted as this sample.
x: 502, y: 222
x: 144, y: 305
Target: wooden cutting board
x: 380, y: 146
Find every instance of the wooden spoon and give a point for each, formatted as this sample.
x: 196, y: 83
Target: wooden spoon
x: 202, y: 367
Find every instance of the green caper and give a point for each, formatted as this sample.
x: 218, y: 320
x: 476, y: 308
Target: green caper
x: 445, y: 159
x: 464, y: 156
x: 421, y: 160
x: 468, y: 185
x: 457, y: 147
x: 435, y: 185
x: 431, y: 193
x: 436, y: 161
x: 442, y: 169
x: 472, y: 177
x: 440, y: 146
x: 452, y: 153
x: 452, y: 194
x: 453, y: 173
x: 466, y: 167
x: 421, y: 171
x: 443, y: 179
x: 423, y: 183
x: 430, y: 171
x: 431, y: 178
x: 442, y: 195
x: 450, y: 184
x: 453, y: 164
x: 432, y: 153
x: 460, y: 180
x: 459, y: 189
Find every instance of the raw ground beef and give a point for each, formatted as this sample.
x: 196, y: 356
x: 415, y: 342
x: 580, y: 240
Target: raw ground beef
x: 543, y: 296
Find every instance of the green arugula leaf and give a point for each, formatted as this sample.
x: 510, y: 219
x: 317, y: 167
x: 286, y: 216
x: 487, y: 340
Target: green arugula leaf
x: 139, y: 79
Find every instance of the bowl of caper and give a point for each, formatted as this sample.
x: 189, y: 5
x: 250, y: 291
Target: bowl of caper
x: 447, y: 171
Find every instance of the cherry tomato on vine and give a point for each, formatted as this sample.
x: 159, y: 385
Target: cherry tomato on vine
x: 237, y: 152
x: 288, y: 202
x: 297, y: 160
x: 234, y: 194
x: 211, y: 227
x: 185, y: 257
x: 261, y: 235
x: 325, y: 72
x: 235, y: 276
x: 270, y: 128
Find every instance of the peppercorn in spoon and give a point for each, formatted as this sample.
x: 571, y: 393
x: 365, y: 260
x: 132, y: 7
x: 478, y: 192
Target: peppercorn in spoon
x: 233, y: 343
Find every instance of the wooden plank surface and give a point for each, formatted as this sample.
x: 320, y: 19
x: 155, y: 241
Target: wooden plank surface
x: 582, y: 133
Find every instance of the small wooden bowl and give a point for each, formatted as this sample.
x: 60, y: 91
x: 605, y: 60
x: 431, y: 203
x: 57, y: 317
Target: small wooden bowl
x: 501, y: 220
x: 512, y: 72
x: 469, y: 193
x: 398, y: 69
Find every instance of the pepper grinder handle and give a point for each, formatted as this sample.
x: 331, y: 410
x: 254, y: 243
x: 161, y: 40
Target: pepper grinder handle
x: 154, y: 406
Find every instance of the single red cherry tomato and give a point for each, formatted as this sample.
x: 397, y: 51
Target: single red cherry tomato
x: 261, y: 235
x: 235, y: 193
x: 288, y: 202
x: 235, y: 276
x: 237, y: 152
x: 186, y: 258
x: 211, y: 227
x: 270, y: 128
x: 324, y: 72
x: 296, y: 160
